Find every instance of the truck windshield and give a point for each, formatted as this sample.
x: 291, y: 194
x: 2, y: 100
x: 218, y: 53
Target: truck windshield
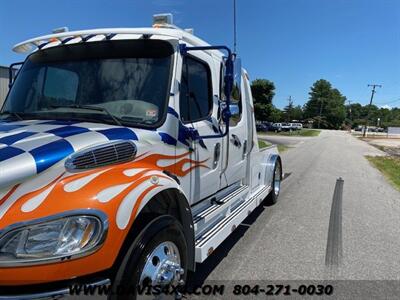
x: 125, y: 81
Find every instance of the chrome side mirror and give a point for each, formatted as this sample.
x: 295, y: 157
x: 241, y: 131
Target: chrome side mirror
x: 237, y: 80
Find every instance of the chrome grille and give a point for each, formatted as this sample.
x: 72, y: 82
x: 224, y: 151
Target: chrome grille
x: 107, y: 154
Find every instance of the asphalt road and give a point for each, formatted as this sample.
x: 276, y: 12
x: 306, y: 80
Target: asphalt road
x: 288, y: 241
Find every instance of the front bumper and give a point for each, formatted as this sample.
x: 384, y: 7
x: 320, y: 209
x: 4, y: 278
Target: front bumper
x: 46, y: 292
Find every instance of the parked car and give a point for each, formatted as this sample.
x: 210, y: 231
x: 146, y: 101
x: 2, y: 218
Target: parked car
x: 296, y: 126
x: 277, y: 127
x: 286, y: 127
x: 261, y: 127
x: 359, y: 128
x: 270, y: 125
x: 375, y: 129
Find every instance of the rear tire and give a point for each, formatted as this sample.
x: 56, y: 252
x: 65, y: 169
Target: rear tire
x: 272, y: 197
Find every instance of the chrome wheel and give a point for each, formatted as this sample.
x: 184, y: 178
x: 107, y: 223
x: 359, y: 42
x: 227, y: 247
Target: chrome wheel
x: 277, y: 178
x: 163, y: 266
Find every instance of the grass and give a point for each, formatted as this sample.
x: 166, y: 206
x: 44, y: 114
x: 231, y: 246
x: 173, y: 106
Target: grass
x: 282, y: 148
x: 302, y: 132
x: 309, y: 132
x: 263, y: 144
x: 380, y: 147
x: 389, y: 166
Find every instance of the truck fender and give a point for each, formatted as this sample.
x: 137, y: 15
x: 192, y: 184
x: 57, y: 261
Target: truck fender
x: 269, y: 167
x: 174, y: 192
x: 186, y: 219
x: 166, y: 190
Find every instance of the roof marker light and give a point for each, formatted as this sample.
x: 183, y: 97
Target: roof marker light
x: 60, y: 29
x: 162, y: 20
x: 189, y: 30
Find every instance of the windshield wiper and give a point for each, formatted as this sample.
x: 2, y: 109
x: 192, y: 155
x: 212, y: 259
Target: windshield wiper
x: 11, y: 113
x: 90, y: 107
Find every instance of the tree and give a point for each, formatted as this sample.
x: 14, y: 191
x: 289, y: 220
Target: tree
x: 263, y: 111
x: 297, y: 113
x: 263, y: 92
x: 354, y: 111
x: 276, y: 115
x: 335, y: 111
x: 325, y: 105
x: 292, y: 112
x: 320, y: 92
x: 357, y: 114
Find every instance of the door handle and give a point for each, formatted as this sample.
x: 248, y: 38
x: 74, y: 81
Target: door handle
x: 236, y: 141
x: 217, y: 155
x: 244, y: 154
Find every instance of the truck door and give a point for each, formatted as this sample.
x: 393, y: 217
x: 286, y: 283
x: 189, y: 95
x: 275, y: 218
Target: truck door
x: 198, y: 107
x: 237, y: 142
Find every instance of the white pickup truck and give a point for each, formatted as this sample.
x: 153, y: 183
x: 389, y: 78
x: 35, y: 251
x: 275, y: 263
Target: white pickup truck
x: 126, y: 156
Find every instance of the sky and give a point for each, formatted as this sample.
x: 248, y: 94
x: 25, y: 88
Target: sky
x: 351, y: 43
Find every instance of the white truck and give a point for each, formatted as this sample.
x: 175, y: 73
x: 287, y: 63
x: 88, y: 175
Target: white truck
x: 296, y: 126
x: 126, y: 156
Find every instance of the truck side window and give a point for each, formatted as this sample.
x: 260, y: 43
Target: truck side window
x: 195, y: 99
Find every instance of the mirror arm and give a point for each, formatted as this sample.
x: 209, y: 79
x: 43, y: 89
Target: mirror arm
x: 225, y: 113
x: 10, y: 72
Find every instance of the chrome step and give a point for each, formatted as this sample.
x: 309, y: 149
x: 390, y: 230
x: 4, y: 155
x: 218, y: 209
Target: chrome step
x: 210, y: 240
x: 203, y: 214
x: 212, y: 213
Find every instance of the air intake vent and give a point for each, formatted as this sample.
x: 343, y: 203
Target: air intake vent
x: 107, y: 154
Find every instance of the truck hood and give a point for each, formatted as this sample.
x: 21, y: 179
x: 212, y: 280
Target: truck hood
x: 30, y: 147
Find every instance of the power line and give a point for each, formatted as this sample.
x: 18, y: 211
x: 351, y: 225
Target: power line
x: 379, y: 103
x: 389, y: 102
x: 374, y: 86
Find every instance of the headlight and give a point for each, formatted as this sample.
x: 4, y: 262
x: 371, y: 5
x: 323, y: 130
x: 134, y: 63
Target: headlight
x: 58, y: 238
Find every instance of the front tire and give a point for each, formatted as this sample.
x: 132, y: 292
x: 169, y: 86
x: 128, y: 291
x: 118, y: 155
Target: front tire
x: 158, y: 258
x: 272, y: 197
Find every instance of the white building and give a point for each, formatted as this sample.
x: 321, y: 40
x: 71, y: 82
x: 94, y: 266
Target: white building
x: 3, y: 83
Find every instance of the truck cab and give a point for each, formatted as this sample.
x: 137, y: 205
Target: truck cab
x: 127, y: 155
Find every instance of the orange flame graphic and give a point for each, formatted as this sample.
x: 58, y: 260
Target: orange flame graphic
x: 59, y: 199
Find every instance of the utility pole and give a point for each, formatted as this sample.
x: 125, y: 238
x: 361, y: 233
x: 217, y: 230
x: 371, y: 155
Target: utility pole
x: 289, y: 112
x: 351, y: 121
x: 320, y: 111
x: 374, y: 86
